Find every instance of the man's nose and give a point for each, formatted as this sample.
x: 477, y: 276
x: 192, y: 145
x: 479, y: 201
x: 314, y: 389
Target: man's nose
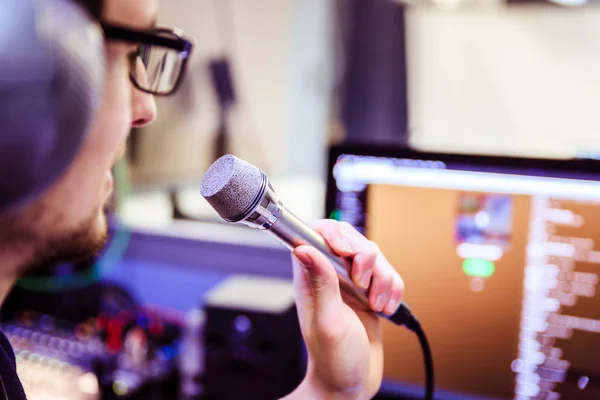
x: 143, y: 108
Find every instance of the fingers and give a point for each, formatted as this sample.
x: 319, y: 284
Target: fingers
x: 321, y: 281
x: 370, y: 269
x: 363, y: 265
x: 322, y: 312
x: 336, y: 236
x: 386, y: 289
x: 348, y: 242
x: 387, y: 296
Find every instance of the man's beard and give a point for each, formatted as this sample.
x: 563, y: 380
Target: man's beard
x: 81, y: 243
x: 47, y: 247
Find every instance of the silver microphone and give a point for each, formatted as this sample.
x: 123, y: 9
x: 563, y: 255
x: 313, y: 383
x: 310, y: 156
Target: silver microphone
x: 241, y: 193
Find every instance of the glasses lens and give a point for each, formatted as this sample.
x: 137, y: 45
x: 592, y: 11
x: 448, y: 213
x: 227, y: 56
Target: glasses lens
x: 157, y: 68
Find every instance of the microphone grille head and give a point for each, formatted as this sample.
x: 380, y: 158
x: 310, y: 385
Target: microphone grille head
x: 231, y: 186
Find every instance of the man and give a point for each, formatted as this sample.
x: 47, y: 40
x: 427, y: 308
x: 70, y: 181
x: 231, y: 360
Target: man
x: 67, y: 222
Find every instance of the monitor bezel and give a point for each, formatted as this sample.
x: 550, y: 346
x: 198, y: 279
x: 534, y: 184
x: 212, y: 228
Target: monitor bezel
x: 576, y: 168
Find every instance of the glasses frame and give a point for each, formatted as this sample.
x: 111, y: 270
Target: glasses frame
x: 153, y: 37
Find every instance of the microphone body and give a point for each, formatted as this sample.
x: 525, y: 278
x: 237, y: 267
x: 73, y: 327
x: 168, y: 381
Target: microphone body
x: 293, y: 232
x: 268, y: 213
x: 241, y: 193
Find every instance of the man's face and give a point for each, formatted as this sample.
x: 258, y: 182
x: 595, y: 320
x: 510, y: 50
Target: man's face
x: 68, y: 221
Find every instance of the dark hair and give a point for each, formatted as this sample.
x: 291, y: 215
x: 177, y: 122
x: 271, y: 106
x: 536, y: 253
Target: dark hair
x: 94, y: 7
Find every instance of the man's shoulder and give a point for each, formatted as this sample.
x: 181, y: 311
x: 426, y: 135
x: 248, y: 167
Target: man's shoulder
x: 10, y: 385
x: 6, y: 348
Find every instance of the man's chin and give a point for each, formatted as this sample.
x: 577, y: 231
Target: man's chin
x: 80, y: 243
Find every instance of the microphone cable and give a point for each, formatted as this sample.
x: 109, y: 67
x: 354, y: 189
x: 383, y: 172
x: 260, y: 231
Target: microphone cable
x: 407, y: 319
x: 428, y: 360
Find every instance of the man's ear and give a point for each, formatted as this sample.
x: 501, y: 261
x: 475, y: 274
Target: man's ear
x: 49, y: 94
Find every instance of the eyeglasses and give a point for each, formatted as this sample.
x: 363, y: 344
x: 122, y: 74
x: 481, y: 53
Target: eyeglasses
x: 159, y: 63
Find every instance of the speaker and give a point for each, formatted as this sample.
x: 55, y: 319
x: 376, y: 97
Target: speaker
x: 253, y: 343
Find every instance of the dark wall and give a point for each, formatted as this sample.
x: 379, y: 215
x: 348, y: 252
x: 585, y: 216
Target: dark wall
x: 373, y: 94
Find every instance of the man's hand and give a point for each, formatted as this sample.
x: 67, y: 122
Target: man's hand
x: 343, y: 337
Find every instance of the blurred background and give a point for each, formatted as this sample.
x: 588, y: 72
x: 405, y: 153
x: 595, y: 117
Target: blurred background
x: 295, y: 87
x: 486, y: 77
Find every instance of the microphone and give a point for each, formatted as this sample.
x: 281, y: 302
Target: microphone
x: 241, y: 193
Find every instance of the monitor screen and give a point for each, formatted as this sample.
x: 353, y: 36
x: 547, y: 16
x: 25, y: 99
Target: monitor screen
x: 500, y: 262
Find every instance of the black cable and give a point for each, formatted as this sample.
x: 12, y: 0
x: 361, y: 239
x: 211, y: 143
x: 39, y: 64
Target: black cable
x: 404, y: 317
x: 427, y: 359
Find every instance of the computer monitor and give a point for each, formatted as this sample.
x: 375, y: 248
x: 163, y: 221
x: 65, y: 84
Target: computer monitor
x: 500, y: 260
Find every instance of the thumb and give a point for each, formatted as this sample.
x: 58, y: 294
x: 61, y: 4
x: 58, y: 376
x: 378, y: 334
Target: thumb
x: 318, y: 289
